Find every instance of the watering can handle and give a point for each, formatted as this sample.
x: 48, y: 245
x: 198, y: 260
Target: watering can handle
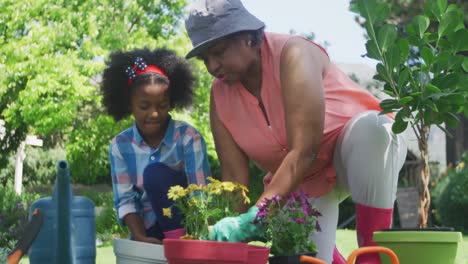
x: 309, y: 259
x: 374, y: 249
x: 354, y: 254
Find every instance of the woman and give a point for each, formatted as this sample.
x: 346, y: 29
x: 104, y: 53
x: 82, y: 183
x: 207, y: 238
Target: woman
x: 279, y: 101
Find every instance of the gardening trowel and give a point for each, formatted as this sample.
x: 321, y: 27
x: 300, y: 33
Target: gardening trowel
x: 30, y: 232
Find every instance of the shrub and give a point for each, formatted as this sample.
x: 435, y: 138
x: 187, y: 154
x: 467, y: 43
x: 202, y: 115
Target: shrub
x: 13, y: 214
x: 452, y: 205
x: 107, y: 225
x: 39, y: 166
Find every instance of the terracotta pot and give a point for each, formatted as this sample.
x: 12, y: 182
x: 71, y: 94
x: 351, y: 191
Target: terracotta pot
x: 289, y: 259
x: 176, y: 233
x: 182, y: 251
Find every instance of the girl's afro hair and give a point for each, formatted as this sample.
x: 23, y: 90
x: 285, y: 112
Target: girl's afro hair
x: 117, y: 92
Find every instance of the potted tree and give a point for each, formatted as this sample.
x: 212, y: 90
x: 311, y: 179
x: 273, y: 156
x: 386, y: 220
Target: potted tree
x: 424, y: 73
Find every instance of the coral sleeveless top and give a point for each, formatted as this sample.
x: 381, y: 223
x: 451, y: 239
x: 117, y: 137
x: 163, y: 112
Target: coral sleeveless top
x: 240, y: 113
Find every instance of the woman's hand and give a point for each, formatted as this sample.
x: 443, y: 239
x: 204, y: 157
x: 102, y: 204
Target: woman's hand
x: 238, y: 228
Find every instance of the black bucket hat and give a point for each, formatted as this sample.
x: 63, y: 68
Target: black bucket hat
x: 210, y: 20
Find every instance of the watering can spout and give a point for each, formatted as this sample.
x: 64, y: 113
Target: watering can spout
x: 62, y: 197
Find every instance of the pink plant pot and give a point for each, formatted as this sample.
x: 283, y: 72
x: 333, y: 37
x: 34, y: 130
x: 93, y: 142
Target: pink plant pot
x: 176, y: 233
x: 257, y: 254
x: 182, y: 251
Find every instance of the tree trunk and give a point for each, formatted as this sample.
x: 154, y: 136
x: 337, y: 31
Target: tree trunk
x: 457, y: 144
x: 425, y: 196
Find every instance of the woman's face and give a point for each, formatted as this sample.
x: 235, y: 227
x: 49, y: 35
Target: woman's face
x: 229, y: 59
x: 150, y: 106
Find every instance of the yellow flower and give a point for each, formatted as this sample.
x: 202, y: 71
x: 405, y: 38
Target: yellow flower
x: 176, y: 192
x: 228, y: 186
x: 213, y: 180
x: 214, y: 188
x: 461, y: 165
x: 167, y: 212
x: 246, y: 199
x: 243, y: 188
x: 193, y: 187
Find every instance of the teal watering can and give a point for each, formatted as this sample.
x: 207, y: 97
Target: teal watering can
x: 68, y: 232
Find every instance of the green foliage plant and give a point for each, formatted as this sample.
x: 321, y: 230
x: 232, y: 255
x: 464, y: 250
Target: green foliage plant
x: 423, y: 71
x: 452, y: 204
x: 13, y: 214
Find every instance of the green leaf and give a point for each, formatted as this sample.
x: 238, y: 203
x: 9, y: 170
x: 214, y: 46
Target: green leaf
x: 451, y: 120
x: 382, y: 72
x: 427, y: 55
x: 465, y: 64
x: 459, y: 40
x: 437, y: 7
x: 389, y: 104
x: 451, y: 21
x: 446, y: 82
x: 372, y: 50
x: 400, y: 125
x: 456, y: 99
x: 404, y: 47
x: 420, y: 25
x: 405, y: 100
x: 432, y: 89
x: 383, y: 12
x: 390, y: 93
x: 455, y: 62
x: 441, y: 62
x: 393, y: 57
x: 403, y: 78
x: 367, y: 10
x: 386, y: 36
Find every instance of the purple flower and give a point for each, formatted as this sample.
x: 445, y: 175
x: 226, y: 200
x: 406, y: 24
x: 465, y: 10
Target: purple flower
x: 281, y: 218
x: 299, y: 220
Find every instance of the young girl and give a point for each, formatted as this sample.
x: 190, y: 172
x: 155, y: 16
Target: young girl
x: 157, y: 152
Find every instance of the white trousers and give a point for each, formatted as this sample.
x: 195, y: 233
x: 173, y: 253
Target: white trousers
x: 367, y: 158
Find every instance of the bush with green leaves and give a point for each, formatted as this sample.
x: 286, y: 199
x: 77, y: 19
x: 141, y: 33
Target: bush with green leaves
x: 423, y: 70
x: 13, y: 214
x: 39, y: 166
x: 107, y: 225
x: 452, y: 205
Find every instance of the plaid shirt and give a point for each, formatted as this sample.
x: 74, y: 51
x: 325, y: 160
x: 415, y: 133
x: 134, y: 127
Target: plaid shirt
x: 182, y: 149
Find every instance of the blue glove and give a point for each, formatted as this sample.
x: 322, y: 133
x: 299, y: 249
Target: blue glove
x: 238, y: 228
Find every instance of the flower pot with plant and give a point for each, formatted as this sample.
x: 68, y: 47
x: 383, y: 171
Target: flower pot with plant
x: 424, y: 72
x: 289, y: 223
x: 203, y: 206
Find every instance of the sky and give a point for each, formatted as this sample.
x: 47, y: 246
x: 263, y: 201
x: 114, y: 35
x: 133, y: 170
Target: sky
x: 329, y: 20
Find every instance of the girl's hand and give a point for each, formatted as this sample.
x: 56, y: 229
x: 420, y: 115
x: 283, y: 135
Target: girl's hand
x: 151, y: 240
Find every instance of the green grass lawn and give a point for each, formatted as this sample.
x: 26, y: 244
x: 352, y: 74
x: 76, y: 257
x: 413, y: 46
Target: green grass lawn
x: 345, y: 240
